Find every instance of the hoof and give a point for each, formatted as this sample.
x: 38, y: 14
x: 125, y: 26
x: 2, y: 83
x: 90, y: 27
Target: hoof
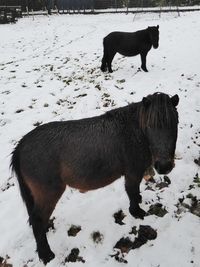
x: 46, y: 257
x: 140, y: 199
x: 144, y: 69
x: 137, y: 213
x: 110, y: 71
x: 103, y: 69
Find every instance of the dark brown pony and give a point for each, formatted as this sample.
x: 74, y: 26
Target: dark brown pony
x: 91, y: 153
x: 129, y: 44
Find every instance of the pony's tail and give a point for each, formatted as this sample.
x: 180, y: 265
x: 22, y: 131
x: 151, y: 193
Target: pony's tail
x: 24, y: 189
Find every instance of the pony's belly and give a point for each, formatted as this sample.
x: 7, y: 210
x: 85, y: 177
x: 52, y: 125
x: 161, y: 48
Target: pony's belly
x: 90, y: 178
x: 128, y: 53
x: 84, y: 184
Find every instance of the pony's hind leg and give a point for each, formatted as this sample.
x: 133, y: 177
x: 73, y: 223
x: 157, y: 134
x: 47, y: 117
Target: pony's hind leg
x: 109, y: 60
x: 45, y: 199
x: 39, y: 231
x: 104, y: 59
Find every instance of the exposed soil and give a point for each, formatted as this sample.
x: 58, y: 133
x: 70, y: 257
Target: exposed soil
x: 119, y: 216
x: 133, y: 231
x: 3, y: 262
x: 145, y: 233
x: 9, y: 184
x: 97, y: 237
x: 125, y: 244
x: 193, y: 206
x: 197, y: 161
x: 74, y: 230
x: 157, y: 209
x: 196, y: 180
x: 74, y: 256
x: 162, y: 185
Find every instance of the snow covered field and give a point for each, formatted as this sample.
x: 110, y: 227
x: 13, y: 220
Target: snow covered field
x: 49, y: 70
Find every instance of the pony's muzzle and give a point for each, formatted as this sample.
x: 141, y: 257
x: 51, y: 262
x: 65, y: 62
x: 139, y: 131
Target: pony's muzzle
x: 164, y: 167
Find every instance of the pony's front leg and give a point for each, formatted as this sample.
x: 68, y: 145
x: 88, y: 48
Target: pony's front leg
x: 143, y: 59
x: 132, y: 186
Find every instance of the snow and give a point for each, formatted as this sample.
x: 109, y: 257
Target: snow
x: 49, y: 70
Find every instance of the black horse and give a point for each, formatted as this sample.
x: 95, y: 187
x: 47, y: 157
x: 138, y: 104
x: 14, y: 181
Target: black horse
x: 129, y: 44
x: 91, y: 153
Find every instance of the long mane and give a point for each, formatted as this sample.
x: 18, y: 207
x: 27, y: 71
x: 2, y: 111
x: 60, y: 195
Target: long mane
x: 159, y: 113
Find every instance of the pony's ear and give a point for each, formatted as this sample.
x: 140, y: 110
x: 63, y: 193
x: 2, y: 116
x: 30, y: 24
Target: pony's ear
x: 146, y: 102
x: 157, y: 26
x: 175, y: 100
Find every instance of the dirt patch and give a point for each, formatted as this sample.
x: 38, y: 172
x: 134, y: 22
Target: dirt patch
x: 8, y: 184
x: 82, y: 95
x: 124, y: 245
x: 162, y: 185
x: 119, y: 257
x: 145, y: 233
x: 196, y: 180
x: 166, y: 179
x: 3, y: 262
x: 97, y: 237
x: 157, y: 209
x: 37, y: 123
x: 197, y: 161
x: 119, y: 216
x: 133, y: 231
x: 193, y: 206
x: 74, y: 230
x: 19, y: 110
x: 74, y: 256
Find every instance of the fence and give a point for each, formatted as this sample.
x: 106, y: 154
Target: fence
x: 116, y: 6
x: 101, y: 6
